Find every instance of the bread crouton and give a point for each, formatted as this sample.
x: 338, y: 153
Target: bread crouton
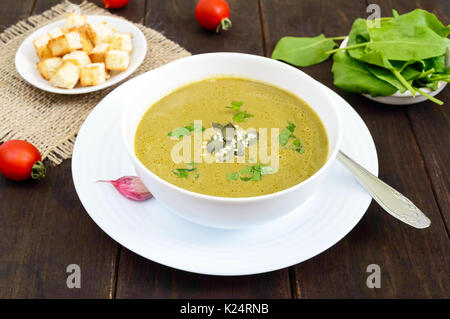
x: 41, y: 46
x: 79, y: 58
x: 98, y: 54
x: 67, y: 76
x: 117, y: 60
x: 87, y: 44
x: 99, y: 32
x: 48, y: 67
x: 74, y: 20
x: 66, y: 43
x: 93, y: 74
x: 85, y: 41
x: 55, y: 33
x: 121, y: 41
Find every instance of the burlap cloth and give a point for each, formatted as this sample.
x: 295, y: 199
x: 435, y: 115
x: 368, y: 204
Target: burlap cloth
x: 51, y: 121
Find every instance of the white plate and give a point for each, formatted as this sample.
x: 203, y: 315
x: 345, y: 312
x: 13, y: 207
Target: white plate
x: 405, y: 98
x: 26, y: 57
x: 151, y: 231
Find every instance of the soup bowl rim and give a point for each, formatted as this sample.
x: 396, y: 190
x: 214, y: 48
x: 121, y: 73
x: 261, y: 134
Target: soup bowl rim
x: 332, y: 152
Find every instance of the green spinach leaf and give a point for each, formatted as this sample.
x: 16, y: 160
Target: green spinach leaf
x: 423, y: 18
x: 406, y: 42
x: 351, y: 75
x: 387, y: 76
x: 300, y: 51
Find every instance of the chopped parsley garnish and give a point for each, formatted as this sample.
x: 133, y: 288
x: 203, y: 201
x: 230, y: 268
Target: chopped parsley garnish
x: 194, y: 127
x: 298, y: 147
x: 236, y: 105
x: 187, y: 172
x: 291, y: 127
x: 288, y: 134
x: 179, y: 132
x: 185, y: 130
x: 239, y: 116
x: 284, y: 137
x: 233, y: 176
x: 183, y: 172
x: 251, y: 173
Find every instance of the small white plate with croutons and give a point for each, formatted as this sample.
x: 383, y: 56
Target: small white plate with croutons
x: 81, y: 54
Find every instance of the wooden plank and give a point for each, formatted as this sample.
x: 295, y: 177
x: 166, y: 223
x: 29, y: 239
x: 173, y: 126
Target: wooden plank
x: 44, y: 226
x: 175, y: 18
x: 133, y: 11
x: 45, y: 229
x: 42, y: 5
x: 414, y: 263
x: 140, y: 278
x: 12, y: 10
x: 431, y: 123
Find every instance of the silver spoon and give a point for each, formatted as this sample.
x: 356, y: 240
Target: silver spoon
x: 392, y: 201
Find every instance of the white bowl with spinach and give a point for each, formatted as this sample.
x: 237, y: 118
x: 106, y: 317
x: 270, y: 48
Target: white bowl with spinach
x: 404, y: 96
x: 395, y: 60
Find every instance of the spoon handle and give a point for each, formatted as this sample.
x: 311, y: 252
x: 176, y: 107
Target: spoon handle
x: 392, y: 201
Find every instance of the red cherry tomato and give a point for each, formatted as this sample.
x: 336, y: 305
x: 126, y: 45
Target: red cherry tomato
x: 114, y: 4
x: 213, y: 14
x: 20, y: 160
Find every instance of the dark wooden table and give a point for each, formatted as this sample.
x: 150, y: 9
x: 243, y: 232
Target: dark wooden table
x: 44, y: 228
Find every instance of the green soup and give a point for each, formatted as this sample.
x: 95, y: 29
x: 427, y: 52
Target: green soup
x: 237, y: 104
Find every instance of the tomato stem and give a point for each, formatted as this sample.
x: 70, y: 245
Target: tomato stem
x: 224, y: 25
x: 38, y: 170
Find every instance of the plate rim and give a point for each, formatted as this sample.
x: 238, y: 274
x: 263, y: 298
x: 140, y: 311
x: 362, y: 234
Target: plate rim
x: 141, y: 54
x: 258, y: 269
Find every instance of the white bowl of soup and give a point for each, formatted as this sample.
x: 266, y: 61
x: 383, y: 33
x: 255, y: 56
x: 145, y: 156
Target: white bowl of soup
x: 230, y: 140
